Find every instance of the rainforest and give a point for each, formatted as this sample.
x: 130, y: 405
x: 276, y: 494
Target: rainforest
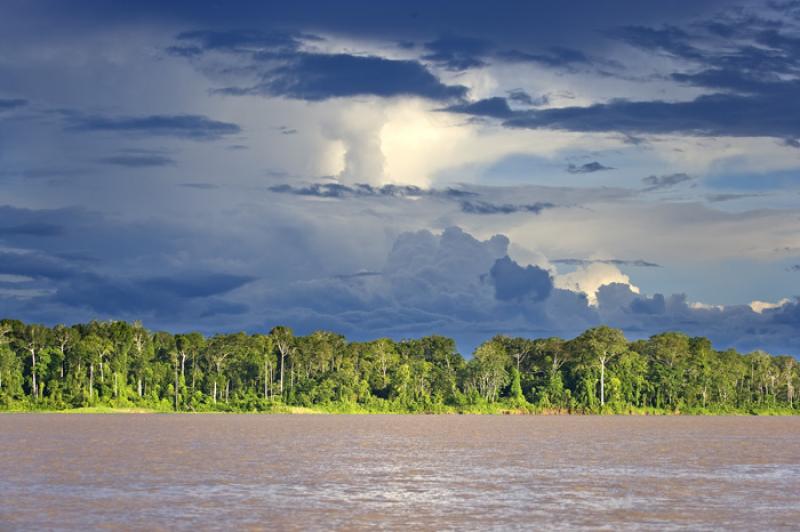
x: 112, y: 365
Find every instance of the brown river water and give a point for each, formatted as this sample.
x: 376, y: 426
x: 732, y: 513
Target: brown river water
x: 300, y: 472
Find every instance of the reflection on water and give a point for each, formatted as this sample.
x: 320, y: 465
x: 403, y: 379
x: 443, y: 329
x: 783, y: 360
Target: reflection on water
x: 425, y: 472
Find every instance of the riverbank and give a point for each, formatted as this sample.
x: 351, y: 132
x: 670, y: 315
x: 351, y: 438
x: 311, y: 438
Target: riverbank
x: 355, y: 409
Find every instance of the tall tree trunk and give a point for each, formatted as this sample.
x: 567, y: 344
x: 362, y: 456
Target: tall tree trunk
x: 139, y: 386
x: 91, y: 380
x: 193, y: 359
x: 602, y: 381
x: 215, y: 391
x: 34, y: 387
x: 283, y: 359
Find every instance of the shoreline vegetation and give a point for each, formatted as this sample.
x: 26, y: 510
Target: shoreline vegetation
x: 119, y: 367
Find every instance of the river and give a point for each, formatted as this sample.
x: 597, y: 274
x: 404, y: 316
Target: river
x: 301, y: 472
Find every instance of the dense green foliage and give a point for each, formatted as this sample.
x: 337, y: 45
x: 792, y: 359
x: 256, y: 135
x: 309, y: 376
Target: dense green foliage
x: 117, y: 364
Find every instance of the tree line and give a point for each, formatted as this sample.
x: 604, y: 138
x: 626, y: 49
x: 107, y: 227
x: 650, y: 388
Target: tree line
x: 122, y: 364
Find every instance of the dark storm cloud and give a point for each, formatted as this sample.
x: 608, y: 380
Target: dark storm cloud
x: 8, y: 104
x: 793, y: 268
x: 32, y: 229
x: 194, y: 285
x: 191, y: 127
x: 521, y: 97
x: 484, y: 207
x: 132, y: 278
x: 337, y: 190
x: 751, y: 87
x: 792, y: 143
x: 72, y: 284
x: 138, y: 161
x: 318, y: 77
x: 18, y: 225
x: 554, y: 56
x: 35, y: 264
x: 496, y: 107
x: 588, y: 168
x: 616, y: 262
x: 657, y: 182
x: 669, y: 40
x: 285, y: 70
x: 457, y: 52
x: 513, y: 282
x: 788, y: 314
x: 193, y: 43
x: 710, y: 115
x: 649, y: 305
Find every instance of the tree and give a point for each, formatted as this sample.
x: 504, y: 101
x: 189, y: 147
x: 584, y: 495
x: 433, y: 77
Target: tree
x: 283, y: 339
x: 489, y: 362
x: 602, y: 344
x: 220, y: 349
x: 386, y: 356
x: 142, y: 356
x: 32, y: 341
x: 94, y: 349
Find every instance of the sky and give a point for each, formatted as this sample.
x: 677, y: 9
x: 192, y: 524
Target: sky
x: 406, y: 168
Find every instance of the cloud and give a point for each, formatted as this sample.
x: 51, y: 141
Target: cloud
x: 793, y: 268
x: 491, y: 107
x: 616, y: 262
x: 587, y: 168
x: 316, y: 77
x: 513, y: 282
x: 457, y: 52
x: 657, y: 182
x: 669, y: 40
x: 34, y: 264
x: 138, y: 161
x: 362, y: 190
x: 718, y: 198
x: 750, y: 87
x: 66, y: 283
x: 483, y: 207
x: 283, y: 69
x: 521, y: 97
x: 199, y: 186
x: 720, y: 114
x: 32, y: 229
x: 338, y: 190
x: 760, y: 306
x: 9, y: 104
x: 191, y: 127
x: 194, y: 285
x: 792, y: 143
x: 194, y: 43
x: 554, y: 56
x: 589, y: 280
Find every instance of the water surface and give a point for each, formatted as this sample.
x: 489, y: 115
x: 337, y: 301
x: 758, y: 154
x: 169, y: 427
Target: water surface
x: 421, y: 472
